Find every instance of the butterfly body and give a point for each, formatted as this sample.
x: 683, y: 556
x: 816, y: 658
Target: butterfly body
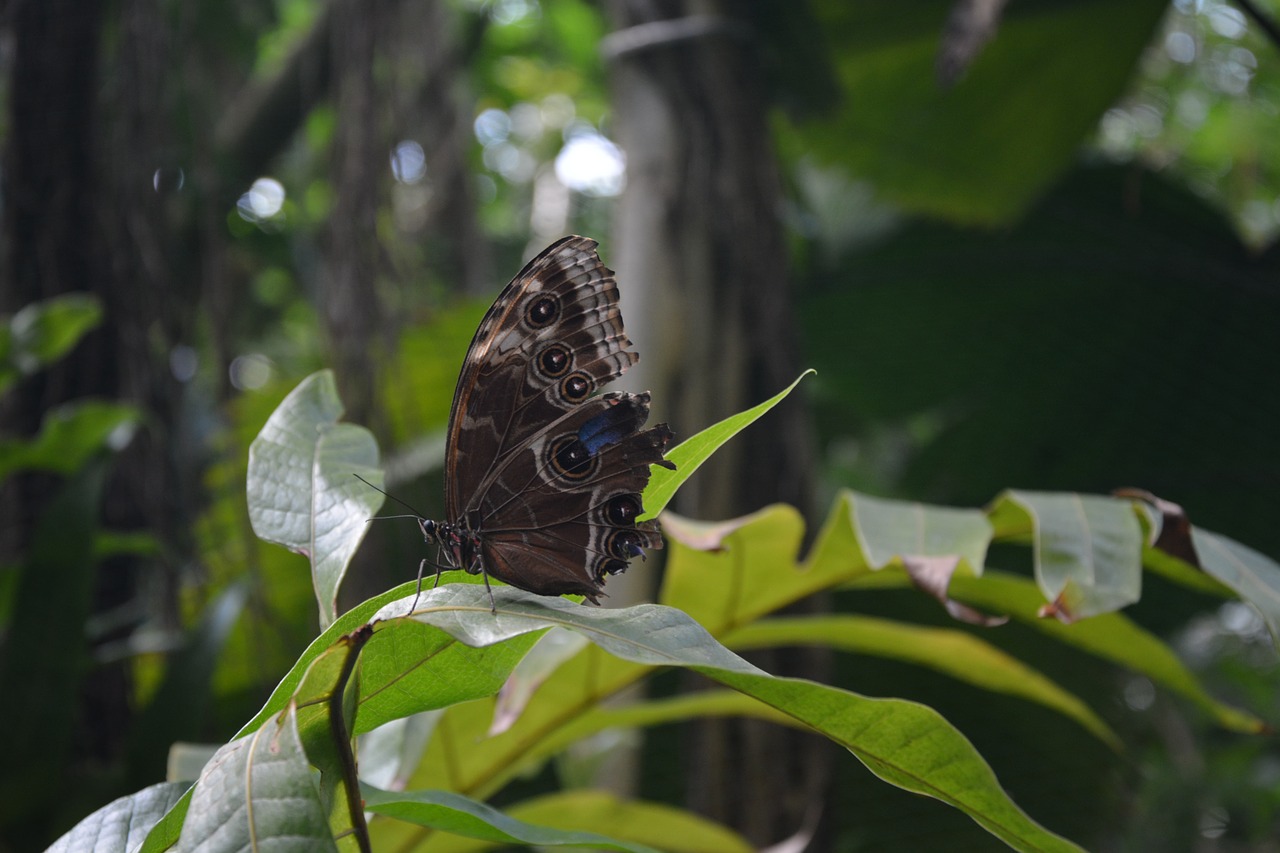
x: 543, y: 475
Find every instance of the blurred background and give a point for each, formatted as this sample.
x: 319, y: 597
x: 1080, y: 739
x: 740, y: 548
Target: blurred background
x: 1025, y: 244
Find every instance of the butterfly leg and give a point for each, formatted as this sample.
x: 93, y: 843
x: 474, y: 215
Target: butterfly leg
x: 478, y: 564
x: 422, y: 567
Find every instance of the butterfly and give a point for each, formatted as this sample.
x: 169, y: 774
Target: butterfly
x: 543, y: 475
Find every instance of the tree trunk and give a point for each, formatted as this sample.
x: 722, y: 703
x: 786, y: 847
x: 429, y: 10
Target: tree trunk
x: 700, y: 248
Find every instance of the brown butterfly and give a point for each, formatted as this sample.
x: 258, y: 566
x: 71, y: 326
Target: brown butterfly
x: 542, y: 475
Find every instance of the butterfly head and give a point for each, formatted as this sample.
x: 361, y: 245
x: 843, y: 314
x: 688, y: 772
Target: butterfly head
x: 431, y: 531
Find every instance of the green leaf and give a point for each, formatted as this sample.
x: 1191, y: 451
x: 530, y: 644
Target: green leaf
x: 1087, y: 548
x: 460, y: 815
x: 70, y: 435
x: 122, y: 824
x: 689, y: 455
x: 954, y: 653
x: 258, y: 792
x: 648, y: 634
x: 906, y: 744
x: 408, y: 666
x: 727, y: 574
x: 330, y: 684
x: 1251, y: 575
x: 302, y: 488
x: 43, y: 332
x: 969, y: 152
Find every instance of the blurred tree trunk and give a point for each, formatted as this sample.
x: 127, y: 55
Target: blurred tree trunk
x: 85, y: 194
x: 350, y: 299
x: 698, y: 236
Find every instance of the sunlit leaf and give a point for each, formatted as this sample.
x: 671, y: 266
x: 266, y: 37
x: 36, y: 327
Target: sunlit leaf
x: 689, y: 455
x: 906, y: 744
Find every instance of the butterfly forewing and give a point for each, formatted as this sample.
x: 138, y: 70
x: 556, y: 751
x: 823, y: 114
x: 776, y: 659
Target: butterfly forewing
x: 553, y: 338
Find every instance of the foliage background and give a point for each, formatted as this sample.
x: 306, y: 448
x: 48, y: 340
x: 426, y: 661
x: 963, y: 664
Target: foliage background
x: 1048, y: 261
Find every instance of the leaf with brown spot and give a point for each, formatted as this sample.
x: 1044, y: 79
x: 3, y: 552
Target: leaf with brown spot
x: 933, y: 575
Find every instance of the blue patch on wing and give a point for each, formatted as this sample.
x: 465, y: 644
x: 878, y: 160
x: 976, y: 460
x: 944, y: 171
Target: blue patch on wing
x: 608, y: 428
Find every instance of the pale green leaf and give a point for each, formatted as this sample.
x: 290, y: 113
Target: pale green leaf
x: 1087, y: 548
x: 887, y: 529
x: 302, y: 486
x: 904, y: 743
x: 121, y: 825
x: 1251, y: 575
x: 258, y: 792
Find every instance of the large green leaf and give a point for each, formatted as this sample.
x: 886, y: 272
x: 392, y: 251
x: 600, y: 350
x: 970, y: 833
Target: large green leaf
x: 958, y: 361
x: 981, y: 150
x: 888, y: 735
x: 302, y: 486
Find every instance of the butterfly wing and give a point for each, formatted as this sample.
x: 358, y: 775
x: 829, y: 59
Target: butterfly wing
x: 552, y: 338
x: 547, y: 474
x: 561, y: 514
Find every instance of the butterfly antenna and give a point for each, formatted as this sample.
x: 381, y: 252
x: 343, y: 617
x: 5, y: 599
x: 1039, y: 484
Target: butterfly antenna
x: 416, y: 514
